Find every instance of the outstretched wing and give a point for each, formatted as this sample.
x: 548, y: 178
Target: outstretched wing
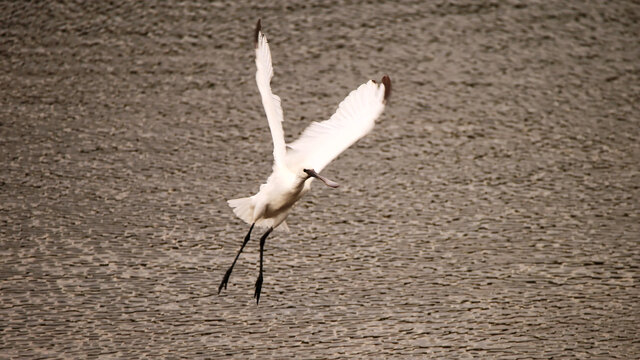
x: 271, y: 102
x: 321, y: 142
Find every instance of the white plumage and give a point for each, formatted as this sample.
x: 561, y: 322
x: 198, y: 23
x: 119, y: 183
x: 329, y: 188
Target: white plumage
x: 318, y: 145
x: 296, y: 165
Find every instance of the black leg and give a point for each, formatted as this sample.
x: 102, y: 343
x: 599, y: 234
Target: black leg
x: 259, y: 281
x: 225, y: 279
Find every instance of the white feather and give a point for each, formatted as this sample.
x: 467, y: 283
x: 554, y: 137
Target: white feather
x: 270, y: 101
x: 321, y: 142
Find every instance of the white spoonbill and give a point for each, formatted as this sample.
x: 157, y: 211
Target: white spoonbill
x: 296, y: 164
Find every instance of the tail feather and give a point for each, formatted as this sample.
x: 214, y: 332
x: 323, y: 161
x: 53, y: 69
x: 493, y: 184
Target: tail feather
x: 243, y: 208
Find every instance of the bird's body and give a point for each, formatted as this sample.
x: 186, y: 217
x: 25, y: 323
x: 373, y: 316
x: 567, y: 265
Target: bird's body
x: 272, y: 204
x: 298, y: 163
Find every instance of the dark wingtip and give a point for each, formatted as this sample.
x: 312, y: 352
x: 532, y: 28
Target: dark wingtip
x: 257, y: 33
x: 387, y: 87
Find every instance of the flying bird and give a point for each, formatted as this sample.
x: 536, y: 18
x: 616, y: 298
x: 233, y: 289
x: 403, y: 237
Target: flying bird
x: 297, y: 164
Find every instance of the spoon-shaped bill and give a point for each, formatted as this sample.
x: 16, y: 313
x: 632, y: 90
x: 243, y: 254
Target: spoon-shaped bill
x: 329, y: 183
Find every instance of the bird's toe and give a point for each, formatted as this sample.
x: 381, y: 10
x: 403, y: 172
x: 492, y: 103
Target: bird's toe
x: 225, y: 280
x: 256, y: 295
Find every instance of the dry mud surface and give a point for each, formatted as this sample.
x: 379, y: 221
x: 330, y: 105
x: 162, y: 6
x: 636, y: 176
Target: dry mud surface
x: 492, y: 213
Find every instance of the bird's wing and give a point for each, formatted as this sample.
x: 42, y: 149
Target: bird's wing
x: 321, y: 142
x: 271, y: 102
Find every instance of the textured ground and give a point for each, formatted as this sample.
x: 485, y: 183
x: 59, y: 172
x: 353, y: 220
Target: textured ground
x: 494, y: 212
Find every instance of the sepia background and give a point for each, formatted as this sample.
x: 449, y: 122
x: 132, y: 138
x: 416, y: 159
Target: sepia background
x: 492, y: 213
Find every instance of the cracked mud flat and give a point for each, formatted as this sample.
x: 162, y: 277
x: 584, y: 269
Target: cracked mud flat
x: 492, y: 213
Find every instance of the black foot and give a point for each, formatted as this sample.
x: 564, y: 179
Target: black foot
x: 256, y: 295
x: 225, y: 280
